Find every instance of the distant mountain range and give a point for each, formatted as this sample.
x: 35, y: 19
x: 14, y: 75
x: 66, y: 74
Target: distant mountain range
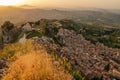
x: 21, y: 14
x: 27, y: 6
x: 117, y: 11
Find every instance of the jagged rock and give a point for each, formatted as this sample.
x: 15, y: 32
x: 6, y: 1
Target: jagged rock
x: 2, y: 63
x: 27, y: 27
x: 115, y: 74
x: 95, y: 61
x: 9, y: 31
x: 1, y: 71
x: 23, y: 39
x: 83, y: 56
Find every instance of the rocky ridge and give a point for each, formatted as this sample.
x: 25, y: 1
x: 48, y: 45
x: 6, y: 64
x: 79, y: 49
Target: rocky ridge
x: 93, y: 60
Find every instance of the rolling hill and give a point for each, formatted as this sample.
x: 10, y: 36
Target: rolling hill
x: 19, y: 15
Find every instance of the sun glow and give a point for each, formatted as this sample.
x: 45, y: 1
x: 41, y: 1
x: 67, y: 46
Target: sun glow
x: 11, y: 2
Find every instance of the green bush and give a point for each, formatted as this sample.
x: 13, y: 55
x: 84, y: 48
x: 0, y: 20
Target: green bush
x: 33, y: 34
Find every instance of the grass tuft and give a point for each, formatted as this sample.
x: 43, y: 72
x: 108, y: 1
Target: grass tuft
x: 29, y: 62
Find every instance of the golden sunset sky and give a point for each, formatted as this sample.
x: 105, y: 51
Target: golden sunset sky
x: 112, y: 4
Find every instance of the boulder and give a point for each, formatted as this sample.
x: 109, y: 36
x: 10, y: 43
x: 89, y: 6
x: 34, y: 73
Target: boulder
x: 9, y: 32
x: 27, y: 27
x: 116, y: 74
x: 1, y: 71
x: 2, y: 63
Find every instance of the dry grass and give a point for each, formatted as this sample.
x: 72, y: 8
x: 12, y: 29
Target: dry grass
x: 35, y: 65
x: 11, y: 50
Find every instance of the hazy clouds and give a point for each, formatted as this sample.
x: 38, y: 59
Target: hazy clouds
x: 76, y: 3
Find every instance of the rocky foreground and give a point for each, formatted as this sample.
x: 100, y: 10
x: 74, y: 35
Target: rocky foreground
x: 92, y: 60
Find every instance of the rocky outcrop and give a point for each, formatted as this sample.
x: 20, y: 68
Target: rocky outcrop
x: 9, y: 32
x: 92, y: 60
x: 2, y: 65
x: 62, y: 36
x: 27, y: 27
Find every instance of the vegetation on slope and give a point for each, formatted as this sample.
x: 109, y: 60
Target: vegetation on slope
x: 17, y: 53
x: 108, y: 36
x: 28, y: 62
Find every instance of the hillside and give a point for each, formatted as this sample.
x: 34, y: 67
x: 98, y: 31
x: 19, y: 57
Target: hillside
x: 69, y: 43
x: 20, y: 15
x: 23, y: 61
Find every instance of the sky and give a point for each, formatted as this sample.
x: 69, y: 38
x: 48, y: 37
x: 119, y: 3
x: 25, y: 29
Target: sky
x: 107, y: 4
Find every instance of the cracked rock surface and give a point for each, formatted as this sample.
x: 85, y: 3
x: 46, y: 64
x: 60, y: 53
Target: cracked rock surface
x: 92, y: 60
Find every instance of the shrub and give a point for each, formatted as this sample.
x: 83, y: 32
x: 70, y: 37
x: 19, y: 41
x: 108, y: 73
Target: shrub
x: 33, y: 34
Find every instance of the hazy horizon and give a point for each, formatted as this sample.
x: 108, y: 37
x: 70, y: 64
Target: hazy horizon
x: 113, y: 4
x: 72, y: 4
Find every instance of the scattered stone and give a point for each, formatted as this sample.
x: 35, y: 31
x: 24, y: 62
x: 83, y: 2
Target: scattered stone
x: 95, y: 61
x: 116, y: 74
x: 1, y: 71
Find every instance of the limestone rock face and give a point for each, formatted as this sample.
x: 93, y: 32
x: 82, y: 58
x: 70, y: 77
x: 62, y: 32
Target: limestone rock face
x: 2, y: 65
x: 27, y: 27
x: 9, y: 32
x: 92, y: 60
x: 63, y: 38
